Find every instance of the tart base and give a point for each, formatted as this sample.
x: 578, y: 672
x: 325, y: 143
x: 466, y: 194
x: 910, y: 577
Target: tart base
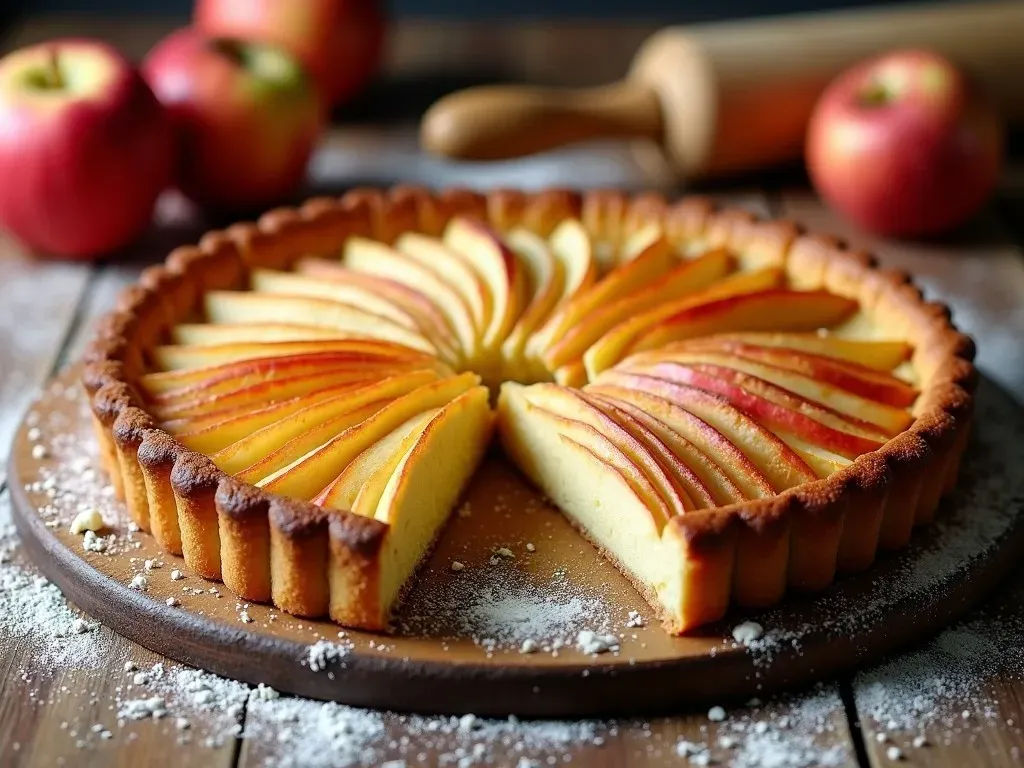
x: 434, y: 663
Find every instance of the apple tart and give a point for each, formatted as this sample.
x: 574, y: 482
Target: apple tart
x: 726, y: 407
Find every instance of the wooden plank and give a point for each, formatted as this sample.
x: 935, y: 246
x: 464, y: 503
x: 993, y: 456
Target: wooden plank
x: 38, y: 304
x: 977, y: 271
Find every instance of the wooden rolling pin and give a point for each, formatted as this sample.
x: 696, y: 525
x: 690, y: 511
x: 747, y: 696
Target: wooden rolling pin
x: 731, y: 96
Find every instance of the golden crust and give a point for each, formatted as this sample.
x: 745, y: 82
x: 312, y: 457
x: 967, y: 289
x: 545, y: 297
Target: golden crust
x: 302, y: 557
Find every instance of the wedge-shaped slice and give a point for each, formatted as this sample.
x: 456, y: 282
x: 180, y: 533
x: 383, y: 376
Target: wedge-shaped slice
x: 742, y: 392
x: 310, y: 474
x: 311, y: 426
x: 723, y: 490
x: 684, y: 279
x: 600, y: 498
x: 886, y: 418
x: 429, y: 317
x: 547, y: 282
x: 422, y: 492
x: 615, y: 343
x: 500, y: 270
x: 454, y: 268
x: 779, y: 463
x: 877, y: 354
x: 753, y: 483
x: 253, y: 307
x: 181, y: 358
x: 879, y: 386
x: 225, y: 333
x: 576, y: 407
x: 371, y: 469
x: 259, y: 395
x: 655, y: 260
x: 689, y: 486
x: 378, y: 260
x: 823, y: 461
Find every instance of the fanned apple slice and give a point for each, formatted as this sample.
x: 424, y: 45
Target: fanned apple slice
x: 820, y: 459
x: 425, y: 487
x: 257, y: 395
x: 655, y: 260
x: 743, y: 472
x: 684, y: 279
x: 741, y: 392
x: 877, y: 354
x: 615, y: 343
x: 887, y: 419
x: 180, y: 357
x: 258, y: 445
x: 376, y: 259
x: 547, y: 280
x: 499, y: 267
x: 568, y: 404
x: 777, y: 461
x: 454, y: 268
x: 431, y: 320
x: 596, y: 494
x: 689, y: 486
x: 723, y: 490
x: 310, y: 474
x: 224, y: 333
x: 251, y: 307
x: 373, y: 466
x: 572, y: 375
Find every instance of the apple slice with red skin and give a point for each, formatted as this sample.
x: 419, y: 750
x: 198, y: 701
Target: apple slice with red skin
x: 572, y: 405
x: 615, y: 343
x: 178, y: 358
x: 686, y: 278
x: 499, y: 268
x: 735, y: 464
x: 722, y: 490
x: 685, y: 479
x: 881, y: 355
x: 199, y: 334
x: 740, y: 392
x: 885, y: 418
x: 875, y: 385
x: 777, y: 461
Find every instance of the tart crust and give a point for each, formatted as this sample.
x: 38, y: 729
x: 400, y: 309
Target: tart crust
x: 311, y: 561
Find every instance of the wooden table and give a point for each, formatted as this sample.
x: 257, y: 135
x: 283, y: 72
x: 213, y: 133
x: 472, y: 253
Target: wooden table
x: 47, y: 713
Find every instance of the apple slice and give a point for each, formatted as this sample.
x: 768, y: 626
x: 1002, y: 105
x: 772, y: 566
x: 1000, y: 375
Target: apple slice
x: 179, y: 357
x: 723, y: 490
x: 378, y: 260
x: 741, y: 392
x: 571, y: 375
x: 684, y: 279
x: 889, y: 420
x: 310, y: 474
x: 455, y: 269
x: 655, y: 260
x: 876, y: 354
x: 686, y: 482
x: 568, y: 404
x: 820, y: 459
x: 615, y: 343
x: 215, y: 431
x: 251, y: 307
x: 257, y: 395
x: 498, y: 266
x: 224, y: 333
x: 547, y: 281
x: 374, y: 467
x: 426, y: 485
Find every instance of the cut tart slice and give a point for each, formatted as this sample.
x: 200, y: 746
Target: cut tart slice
x: 295, y: 405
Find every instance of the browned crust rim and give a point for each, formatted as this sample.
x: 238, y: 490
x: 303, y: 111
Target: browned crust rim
x: 884, y: 491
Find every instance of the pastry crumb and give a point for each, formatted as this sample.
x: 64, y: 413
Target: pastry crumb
x: 86, y: 520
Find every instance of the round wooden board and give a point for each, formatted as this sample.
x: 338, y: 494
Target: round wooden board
x: 457, y: 644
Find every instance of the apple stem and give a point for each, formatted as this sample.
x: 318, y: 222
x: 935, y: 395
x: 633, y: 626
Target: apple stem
x: 55, y: 78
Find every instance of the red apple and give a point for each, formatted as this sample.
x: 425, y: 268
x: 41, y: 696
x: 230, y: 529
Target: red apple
x: 247, y: 116
x: 903, y: 145
x: 85, y: 148
x: 339, y: 41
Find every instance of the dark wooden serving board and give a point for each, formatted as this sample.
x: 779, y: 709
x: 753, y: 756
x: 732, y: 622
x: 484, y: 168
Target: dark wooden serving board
x: 457, y: 645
